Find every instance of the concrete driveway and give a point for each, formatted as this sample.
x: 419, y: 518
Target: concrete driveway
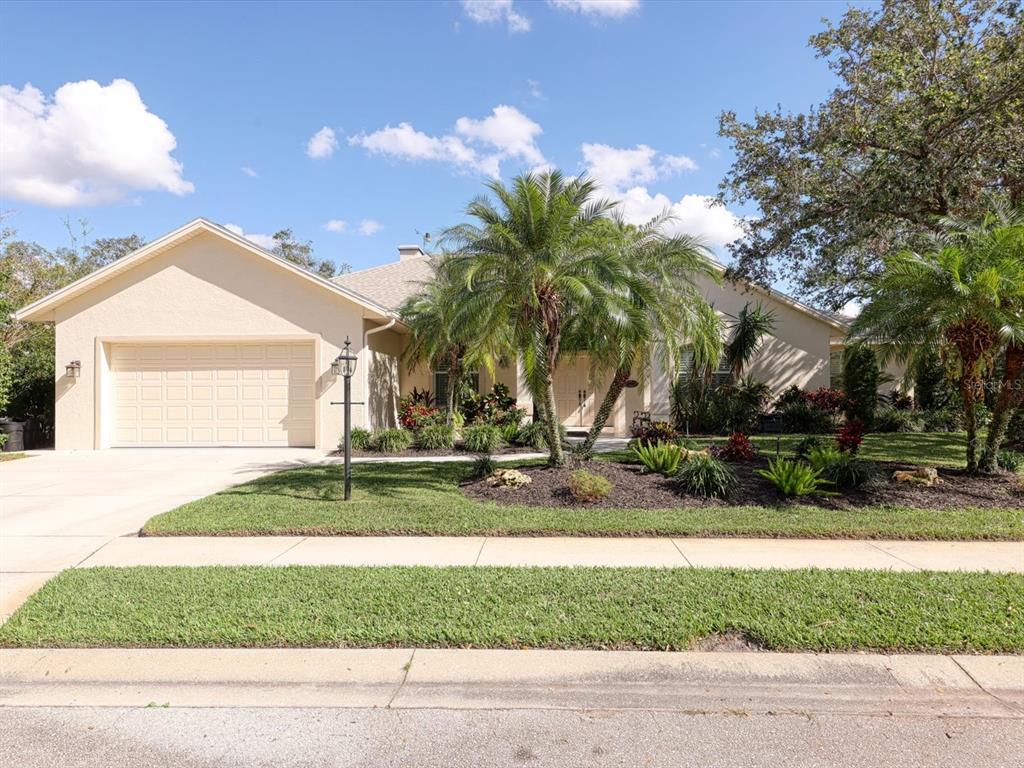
x: 59, y: 507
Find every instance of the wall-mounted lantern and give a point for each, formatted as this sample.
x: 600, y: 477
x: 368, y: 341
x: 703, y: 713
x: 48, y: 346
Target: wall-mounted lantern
x: 73, y: 369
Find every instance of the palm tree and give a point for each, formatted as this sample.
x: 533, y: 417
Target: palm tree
x: 953, y: 297
x: 530, y: 262
x: 662, y: 307
x: 747, y: 331
x: 442, y: 335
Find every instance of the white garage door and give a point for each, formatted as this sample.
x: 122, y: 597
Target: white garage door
x: 212, y: 394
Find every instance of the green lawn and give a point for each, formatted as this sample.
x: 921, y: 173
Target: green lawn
x: 12, y: 456
x: 423, y: 499
x: 662, y: 609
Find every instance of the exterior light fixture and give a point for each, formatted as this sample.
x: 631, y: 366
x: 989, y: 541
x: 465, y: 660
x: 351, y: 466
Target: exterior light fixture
x: 345, y: 363
x: 73, y: 369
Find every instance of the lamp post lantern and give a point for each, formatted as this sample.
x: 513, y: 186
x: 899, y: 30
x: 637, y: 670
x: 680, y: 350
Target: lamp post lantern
x: 344, y: 365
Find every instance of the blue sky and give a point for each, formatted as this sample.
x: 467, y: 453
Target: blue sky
x: 422, y: 102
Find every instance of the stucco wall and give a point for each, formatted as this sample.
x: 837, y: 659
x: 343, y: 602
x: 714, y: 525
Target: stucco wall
x: 796, y: 353
x: 203, y: 288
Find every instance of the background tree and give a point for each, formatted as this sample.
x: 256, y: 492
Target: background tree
x: 530, y: 263
x: 927, y: 119
x: 300, y: 252
x: 746, y: 333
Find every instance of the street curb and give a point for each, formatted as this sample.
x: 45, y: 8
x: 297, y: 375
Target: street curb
x: 693, y: 682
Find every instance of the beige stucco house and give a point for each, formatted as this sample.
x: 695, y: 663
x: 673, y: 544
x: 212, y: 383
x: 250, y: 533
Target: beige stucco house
x: 201, y: 338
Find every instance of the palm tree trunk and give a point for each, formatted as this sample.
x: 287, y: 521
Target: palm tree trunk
x: 556, y: 457
x: 968, y: 390
x: 1010, y: 396
x: 449, y: 396
x: 610, y: 398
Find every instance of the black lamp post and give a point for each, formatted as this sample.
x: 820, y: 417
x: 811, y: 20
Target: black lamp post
x: 345, y: 365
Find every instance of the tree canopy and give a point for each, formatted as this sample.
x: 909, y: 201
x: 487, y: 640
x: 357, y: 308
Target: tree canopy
x: 926, y: 121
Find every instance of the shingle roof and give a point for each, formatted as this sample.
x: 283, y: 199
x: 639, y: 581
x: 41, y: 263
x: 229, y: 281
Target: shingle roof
x: 389, y: 284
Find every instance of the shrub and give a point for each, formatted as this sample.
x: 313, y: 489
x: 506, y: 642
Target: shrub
x: 656, y: 431
x: 534, y: 435
x: 1015, y: 432
x: 860, y: 383
x: 901, y: 401
x: 850, y: 436
x: 3, y: 440
x: 481, y: 438
x: 790, y: 395
x: 509, y: 433
x: 415, y: 415
x: 1011, y: 461
x: 422, y: 397
x: 829, y: 400
x: 496, y: 407
x: 586, y: 486
x: 738, y: 407
x: 845, y: 472
x: 942, y: 420
x: 706, y: 476
x: 391, y: 440
x: 891, y: 419
x: 662, y: 458
x: 804, y: 447
x: 362, y: 439
x: 793, y: 478
x: 803, y: 417
x: 822, y: 455
x: 737, y: 448
x: 436, y: 437
x: 484, y: 465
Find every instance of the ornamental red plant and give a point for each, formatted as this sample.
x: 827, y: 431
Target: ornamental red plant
x: 850, y: 436
x: 828, y: 400
x: 737, y: 448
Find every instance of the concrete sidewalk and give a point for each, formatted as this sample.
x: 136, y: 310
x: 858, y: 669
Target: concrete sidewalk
x: 562, y: 551
x: 751, y: 683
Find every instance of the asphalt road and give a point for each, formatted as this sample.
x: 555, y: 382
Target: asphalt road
x: 94, y: 737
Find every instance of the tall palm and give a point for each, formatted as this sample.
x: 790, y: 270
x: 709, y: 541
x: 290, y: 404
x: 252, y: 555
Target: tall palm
x: 746, y: 332
x: 444, y: 337
x: 529, y: 263
x: 951, y: 297
x: 661, y: 307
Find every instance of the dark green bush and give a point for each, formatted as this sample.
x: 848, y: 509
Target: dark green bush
x: 861, y: 377
x: 803, y: 448
x: 481, y: 438
x: 483, y: 466
x: 803, y: 417
x: 942, y: 420
x: 841, y: 470
x: 438, y: 437
x: 1011, y: 461
x: 706, y: 476
x: 891, y: 419
x: 586, y: 486
x: 534, y: 435
x: 391, y: 440
x: 661, y: 458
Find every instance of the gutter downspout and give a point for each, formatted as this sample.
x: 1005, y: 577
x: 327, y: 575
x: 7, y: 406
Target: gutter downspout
x: 366, y: 364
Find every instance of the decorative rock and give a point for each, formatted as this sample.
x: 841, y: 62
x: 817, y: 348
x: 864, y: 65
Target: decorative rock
x: 509, y: 478
x: 927, y: 476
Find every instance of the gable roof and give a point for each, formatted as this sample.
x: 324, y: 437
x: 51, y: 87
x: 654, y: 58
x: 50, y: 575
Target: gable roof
x: 37, y: 309
x: 389, y: 284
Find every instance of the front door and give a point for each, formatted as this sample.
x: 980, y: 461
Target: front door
x: 575, y: 394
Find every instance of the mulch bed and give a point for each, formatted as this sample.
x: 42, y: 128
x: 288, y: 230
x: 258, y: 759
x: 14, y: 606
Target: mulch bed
x: 637, y: 489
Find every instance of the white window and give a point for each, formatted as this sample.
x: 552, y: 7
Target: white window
x: 835, y: 369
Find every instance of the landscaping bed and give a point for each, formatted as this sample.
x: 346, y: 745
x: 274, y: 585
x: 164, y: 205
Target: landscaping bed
x: 421, y: 453
x: 633, y: 487
x: 486, y: 607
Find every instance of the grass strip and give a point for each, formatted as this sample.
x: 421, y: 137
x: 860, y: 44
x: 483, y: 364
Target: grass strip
x: 629, y: 608
x: 418, y: 498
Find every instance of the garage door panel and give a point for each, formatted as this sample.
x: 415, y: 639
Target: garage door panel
x: 213, y: 394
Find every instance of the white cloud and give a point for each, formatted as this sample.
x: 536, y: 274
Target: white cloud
x: 265, y: 242
x: 496, y: 11
x: 336, y: 225
x: 534, y: 89
x: 88, y: 145
x: 322, y: 144
x: 476, y: 145
x: 692, y: 215
x: 608, y: 9
x: 370, y: 227
x: 618, y: 169
x: 249, y: 172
